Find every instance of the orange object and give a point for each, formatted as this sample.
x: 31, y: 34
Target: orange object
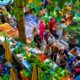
x: 43, y: 57
x: 67, y: 77
x: 5, y: 26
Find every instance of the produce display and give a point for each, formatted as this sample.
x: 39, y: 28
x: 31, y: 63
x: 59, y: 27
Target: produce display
x: 5, y: 77
x: 26, y: 73
x: 18, y: 50
x: 5, y: 26
x: 77, y: 19
x: 57, y: 25
x: 60, y: 73
x: 33, y: 44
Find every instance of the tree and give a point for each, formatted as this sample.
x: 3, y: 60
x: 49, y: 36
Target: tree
x: 19, y: 13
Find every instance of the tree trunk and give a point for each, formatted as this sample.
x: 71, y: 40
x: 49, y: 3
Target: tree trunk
x: 20, y: 21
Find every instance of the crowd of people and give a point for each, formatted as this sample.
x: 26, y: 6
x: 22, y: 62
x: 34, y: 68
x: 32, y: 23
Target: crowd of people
x: 46, y: 40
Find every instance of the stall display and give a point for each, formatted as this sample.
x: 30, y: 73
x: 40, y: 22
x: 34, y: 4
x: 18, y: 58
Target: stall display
x: 9, y: 30
x: 51, y: 52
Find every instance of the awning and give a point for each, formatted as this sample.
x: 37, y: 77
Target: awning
x: 4, y: 2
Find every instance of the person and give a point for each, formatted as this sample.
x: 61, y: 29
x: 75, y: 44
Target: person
x: 77, y: 61
x: 36, y: 37
x: 46, y: 35
x: 77, y: 66
x: 55, y: 51
x: 63, y: 59
x: 45, y: 3
x: 34, y: 32
x: 3, y: 17
x: 51, y: 24
x: 47, y: 50
x: 41, y: 29
x: 74, y: 51
x: 2, y: 50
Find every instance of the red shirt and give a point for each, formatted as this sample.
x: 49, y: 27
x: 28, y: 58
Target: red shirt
x: 51, y: 23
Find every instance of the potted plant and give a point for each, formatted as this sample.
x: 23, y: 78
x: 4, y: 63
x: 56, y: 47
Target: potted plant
x: 25, y: 74
x: 73, y: 33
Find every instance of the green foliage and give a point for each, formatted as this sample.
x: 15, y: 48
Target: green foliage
x: 32, y: 58
x: 5, y: 77
x: 77, y: 19
x: 26, y: 73
x: 59, y: 73
x: 73, y: 31
x: 33, y: 44
x: 19, y: 50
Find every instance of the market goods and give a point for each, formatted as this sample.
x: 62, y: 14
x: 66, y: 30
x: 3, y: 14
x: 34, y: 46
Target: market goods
x: 5, y: 26
x: 5, y: 77
x: 33, y: 44
x: 18, y: 50
x: 26, y: 73
x: 77, y: 19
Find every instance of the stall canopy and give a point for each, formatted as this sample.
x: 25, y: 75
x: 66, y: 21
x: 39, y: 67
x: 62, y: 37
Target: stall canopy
x: 4, y: 2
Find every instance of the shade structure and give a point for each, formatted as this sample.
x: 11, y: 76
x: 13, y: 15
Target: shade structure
x: 13, y: 75
x: 34, y: 73
x: 8, y: 55
x: 4, y: 2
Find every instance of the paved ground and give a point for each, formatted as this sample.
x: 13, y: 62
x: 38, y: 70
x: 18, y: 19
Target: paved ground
x: 31, y: 22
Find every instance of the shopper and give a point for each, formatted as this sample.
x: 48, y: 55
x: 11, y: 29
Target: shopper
x: 54, y: 53
x: 41, y: 29
x: 63, y: 59
x: 48, y: 50
x: 47, y: 35
x: 34, y: 32
x: 45, y: 3
x: 51, y: 24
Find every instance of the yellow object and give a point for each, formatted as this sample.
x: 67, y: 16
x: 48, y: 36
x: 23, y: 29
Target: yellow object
x: 8, y: 55
x: 0, y: 78
x: 34, y: 74
x: 30, y: 1
x: 5, y: 26
x: 13, y: 75
x: 64, y: 11
x: 39, y: 70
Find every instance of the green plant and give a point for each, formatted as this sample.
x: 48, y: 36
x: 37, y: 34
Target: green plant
x: 19, y: 50
x: 33, y: 44
x: 77, y: 19
x: 73, y: 31
x: 59, y: 73
x: 5, y: 77
x: 32, y: 58
x: 26, y: 73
